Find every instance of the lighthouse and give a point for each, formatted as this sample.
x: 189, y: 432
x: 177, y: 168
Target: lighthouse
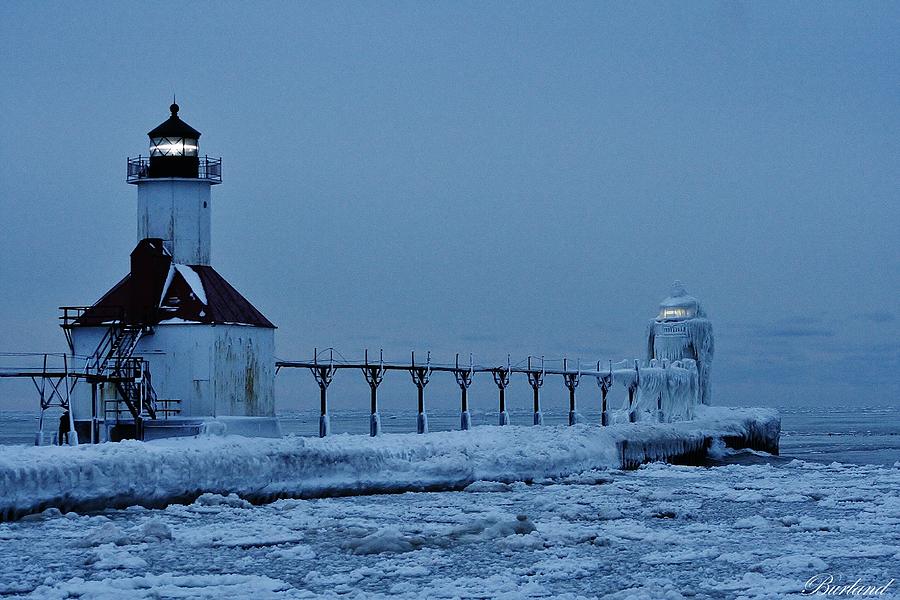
x: 682, y: 330
x: 172, y: 348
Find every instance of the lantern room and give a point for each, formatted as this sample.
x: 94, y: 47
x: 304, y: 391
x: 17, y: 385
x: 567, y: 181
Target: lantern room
x: 174, y: 148
x: 679, y: 305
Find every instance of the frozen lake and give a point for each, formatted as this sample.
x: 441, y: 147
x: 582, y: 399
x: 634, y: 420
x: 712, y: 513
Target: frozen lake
x: 733, y: 531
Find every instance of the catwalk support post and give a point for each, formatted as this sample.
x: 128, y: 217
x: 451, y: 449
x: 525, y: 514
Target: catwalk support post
x: 571, y: 379
x: 536, y: 380
x: 464, y: 380
x: 501, y: 378
x: 374, y: 375
x: 632, y: 389
x: 605, y: 383
x: 420, y: 376
x: 323, y: 374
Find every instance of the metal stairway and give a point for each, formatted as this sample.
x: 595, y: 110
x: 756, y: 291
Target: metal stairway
x: 114, y: 360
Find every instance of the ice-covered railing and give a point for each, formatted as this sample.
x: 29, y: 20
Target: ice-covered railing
x: 659, y: 391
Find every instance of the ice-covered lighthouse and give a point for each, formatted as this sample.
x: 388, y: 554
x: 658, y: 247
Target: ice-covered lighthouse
x: 172, y: 348
x: 681, y: 330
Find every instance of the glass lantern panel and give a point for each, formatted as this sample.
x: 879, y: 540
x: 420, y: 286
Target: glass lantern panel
x: 676, y: 313
x: 190, y: 147
x: 165, y: 146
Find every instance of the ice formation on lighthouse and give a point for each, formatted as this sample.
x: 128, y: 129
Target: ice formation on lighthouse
x: 681, y: 330
x: 668, y: 391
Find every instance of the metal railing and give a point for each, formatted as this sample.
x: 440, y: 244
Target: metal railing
x: 209, y: 169
x: 665, y: 390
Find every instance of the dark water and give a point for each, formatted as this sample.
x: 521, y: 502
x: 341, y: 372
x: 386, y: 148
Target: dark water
x: 860, y: 435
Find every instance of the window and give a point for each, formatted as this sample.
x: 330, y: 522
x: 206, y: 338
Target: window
x: 676, y: 313
x: 166, y: 146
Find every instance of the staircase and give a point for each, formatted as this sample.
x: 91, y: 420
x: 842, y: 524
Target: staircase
x: 114, y: 361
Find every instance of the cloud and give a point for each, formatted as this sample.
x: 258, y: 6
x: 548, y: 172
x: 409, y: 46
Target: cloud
x: 797, y: 331
x: 874, y: 317
x: 800, y: 326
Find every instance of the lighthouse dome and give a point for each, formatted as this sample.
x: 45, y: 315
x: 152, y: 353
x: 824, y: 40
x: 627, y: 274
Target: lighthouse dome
x: 679, y: 305
x: 174, y: 137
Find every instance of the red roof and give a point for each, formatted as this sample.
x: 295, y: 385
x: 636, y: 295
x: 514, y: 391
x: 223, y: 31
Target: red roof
x: 159, y: 293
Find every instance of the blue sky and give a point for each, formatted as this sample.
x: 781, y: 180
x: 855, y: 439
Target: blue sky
x: 523, y: 178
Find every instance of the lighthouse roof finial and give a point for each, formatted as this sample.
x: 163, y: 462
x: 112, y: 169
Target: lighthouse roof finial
x: 173, y: 126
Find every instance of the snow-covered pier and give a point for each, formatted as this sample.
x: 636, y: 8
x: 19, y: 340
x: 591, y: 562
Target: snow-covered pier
x: 154, y: 474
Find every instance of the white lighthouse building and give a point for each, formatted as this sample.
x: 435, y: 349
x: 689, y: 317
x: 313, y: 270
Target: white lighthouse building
x: 172, y: 348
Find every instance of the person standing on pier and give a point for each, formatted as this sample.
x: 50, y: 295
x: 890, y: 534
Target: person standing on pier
x: 64, y: 429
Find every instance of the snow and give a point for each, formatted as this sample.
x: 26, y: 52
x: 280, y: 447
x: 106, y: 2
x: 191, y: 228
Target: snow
x: 165, y: 289
x: 193, y: 280
x: 584, y: 535
x: 161, y: 471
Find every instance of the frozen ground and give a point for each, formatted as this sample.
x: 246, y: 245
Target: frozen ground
x: 734, y: 531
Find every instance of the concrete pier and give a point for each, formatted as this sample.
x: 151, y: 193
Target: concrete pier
x: 177, y: 470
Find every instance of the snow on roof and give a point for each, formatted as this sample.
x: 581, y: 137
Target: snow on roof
x: 193, y: 280
x: 195, y: 293
x: 679, y: 298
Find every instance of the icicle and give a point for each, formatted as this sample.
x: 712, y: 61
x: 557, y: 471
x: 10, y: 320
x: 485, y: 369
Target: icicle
x: 422, y: 423
x: 696, y: 343
x: 465, y: 421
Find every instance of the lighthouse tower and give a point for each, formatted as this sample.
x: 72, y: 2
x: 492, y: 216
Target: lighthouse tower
x: 174, y: 200
x: 173, y: 348
x: 681, y: 330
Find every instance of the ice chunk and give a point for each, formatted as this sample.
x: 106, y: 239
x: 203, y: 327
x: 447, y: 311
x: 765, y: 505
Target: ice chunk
x: 383, y: 540
x: 217, y: 500
x: 155, y: 530
x: 107, y: 557
x: 108, y: 533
